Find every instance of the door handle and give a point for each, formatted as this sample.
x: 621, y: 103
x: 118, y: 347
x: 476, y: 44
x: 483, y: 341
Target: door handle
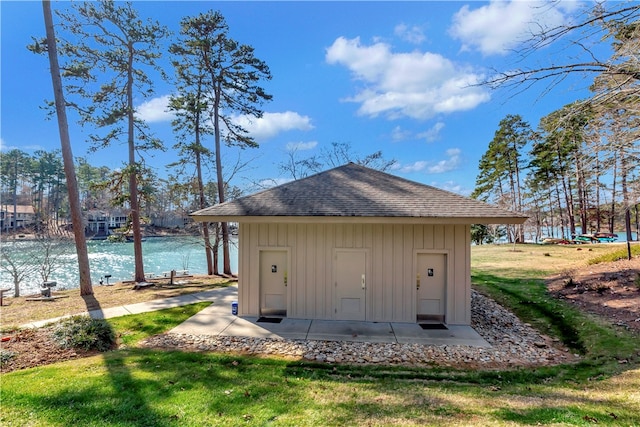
x: 418, y: 281
x: 363, y: 282
x: 285, y: 278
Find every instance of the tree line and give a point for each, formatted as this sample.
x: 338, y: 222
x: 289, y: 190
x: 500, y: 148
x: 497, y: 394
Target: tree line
x: 563, y: 175
x: 38, y: 180
x: 579, y: 166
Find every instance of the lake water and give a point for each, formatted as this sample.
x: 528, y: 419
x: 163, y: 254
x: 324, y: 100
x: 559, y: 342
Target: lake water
x: 622, y: 235
x: 160, y: 254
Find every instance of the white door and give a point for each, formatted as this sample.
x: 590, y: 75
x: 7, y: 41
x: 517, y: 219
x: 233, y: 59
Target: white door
x: 431, y: 282
x: 273, y: 282
x: 351, y: 285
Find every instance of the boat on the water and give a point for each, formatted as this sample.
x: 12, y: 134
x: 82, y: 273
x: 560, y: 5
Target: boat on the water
x: 606, y: 237
x: 555, y: 241
x: 585, y: 238
x: 599, y: 237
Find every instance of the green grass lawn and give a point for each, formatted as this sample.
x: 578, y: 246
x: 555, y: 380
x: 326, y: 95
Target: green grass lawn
x: 142, y: 387
x: 156, y: 388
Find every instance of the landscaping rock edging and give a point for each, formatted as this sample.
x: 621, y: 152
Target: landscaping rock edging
x: 513, y: 344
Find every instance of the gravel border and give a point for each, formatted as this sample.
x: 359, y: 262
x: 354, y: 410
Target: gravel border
x: 513, y: 344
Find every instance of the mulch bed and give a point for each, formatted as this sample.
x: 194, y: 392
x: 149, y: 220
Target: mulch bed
x: 28, y: 348
x: 610, y: 290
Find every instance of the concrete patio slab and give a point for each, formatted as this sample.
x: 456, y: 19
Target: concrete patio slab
x: 294, y: 329
x: 206, y: 322
x: 217, y: 320
x: 344, y: 330
x: 412, y: 333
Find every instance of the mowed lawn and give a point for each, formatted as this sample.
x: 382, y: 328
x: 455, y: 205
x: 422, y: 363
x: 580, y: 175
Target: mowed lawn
x: 142, y: 387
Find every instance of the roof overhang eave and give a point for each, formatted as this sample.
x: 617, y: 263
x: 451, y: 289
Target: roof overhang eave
x: 358, y: 219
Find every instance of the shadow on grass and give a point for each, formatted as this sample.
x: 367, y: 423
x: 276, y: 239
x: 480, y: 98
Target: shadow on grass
x: 121, y: 403
x: 439, y: 396
x: 143, y: 387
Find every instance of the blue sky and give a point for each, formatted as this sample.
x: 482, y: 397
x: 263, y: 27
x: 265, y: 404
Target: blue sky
x: 390, y: 76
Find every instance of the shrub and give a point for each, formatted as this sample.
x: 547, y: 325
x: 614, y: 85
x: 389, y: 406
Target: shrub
x: 83, y: 332
x: 6, y: 355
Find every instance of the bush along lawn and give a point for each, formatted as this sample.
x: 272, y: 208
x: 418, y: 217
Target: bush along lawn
x: 143, y: 387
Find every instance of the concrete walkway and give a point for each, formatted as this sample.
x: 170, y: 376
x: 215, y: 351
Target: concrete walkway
x: 217, y: 320
x: 144, y: 307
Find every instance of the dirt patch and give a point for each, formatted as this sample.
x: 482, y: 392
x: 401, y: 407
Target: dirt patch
x: 610, y: 290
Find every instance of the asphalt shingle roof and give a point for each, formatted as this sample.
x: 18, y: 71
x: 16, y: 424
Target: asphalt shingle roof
x: 357, y: 191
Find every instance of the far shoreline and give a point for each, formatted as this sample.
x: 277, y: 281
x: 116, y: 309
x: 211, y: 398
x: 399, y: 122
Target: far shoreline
x: 149, y: 232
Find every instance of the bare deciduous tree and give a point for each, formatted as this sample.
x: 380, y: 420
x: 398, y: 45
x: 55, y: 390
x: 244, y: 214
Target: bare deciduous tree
x: 18, y: 262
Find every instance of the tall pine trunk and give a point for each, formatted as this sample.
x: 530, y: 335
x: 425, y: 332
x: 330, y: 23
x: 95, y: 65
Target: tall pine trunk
x: 202, y: 201
x: 226, y: 268
x: 133, y: 178
x: 201, y: 198
x: 67, y: 156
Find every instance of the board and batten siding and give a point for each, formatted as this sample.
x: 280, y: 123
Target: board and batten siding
x: 391, y: 277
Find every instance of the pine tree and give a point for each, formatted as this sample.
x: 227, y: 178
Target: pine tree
x: 232, y: 77
x: 109, y: 57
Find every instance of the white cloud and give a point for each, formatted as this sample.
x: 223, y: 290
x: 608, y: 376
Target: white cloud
x: 452, y: 162
x: 502, y: 25
x: 413, y: 34
x: 271, y: 124
x: 416, y: 85
x: 399, y: 134
x: 301, y: 146
x: 451, y: 186
x: 449, y: 164
x: 155, y: 110
x: 414, y: 167
x: 29, y: 147
x: 433, y: 133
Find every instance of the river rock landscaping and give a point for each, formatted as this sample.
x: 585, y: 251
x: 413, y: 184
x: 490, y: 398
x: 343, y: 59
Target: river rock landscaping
x: 513, y: 344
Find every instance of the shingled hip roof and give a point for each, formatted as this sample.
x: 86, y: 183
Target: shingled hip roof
x: 353, y: 191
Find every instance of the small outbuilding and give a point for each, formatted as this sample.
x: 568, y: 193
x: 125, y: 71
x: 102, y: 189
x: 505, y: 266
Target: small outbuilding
x: 353, y: 243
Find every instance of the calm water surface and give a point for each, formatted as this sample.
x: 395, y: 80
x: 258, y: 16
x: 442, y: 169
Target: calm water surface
x: 160, y: 254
